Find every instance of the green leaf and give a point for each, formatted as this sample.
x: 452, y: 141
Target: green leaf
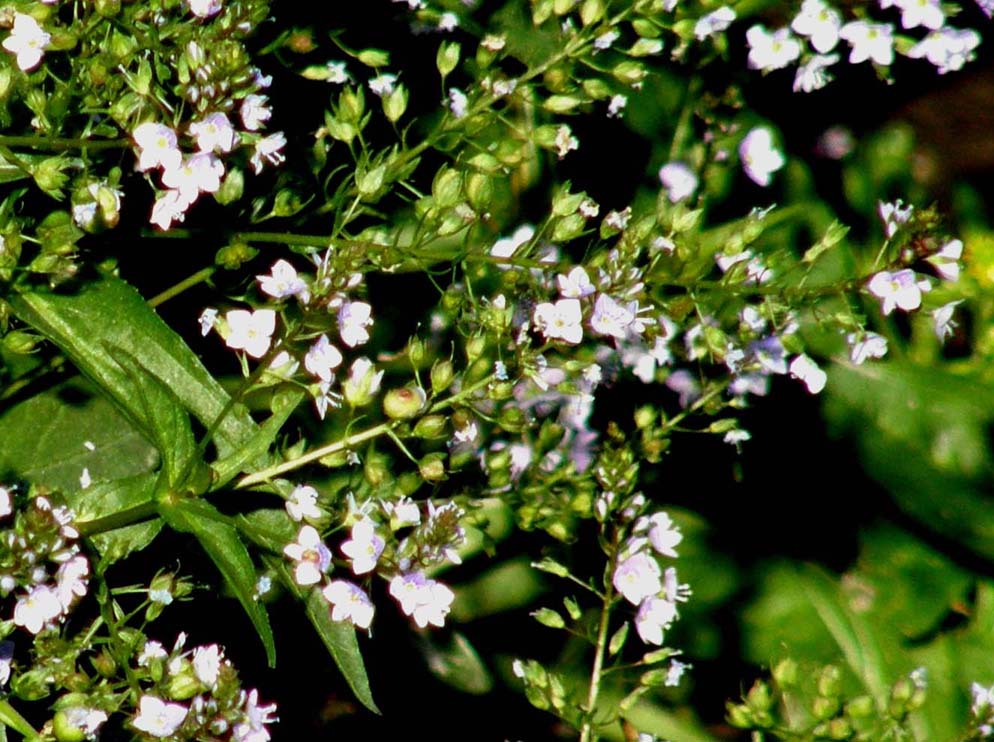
x: 9, y: 717
x: 111, y: 314
x: 230, y: 466
x: 221, y: 541
x: 269, y: 528
x: 458, y: 664
x: 340, y: 640
x: 52, y: 437
x: 100, y: 508
x: 169, y: 424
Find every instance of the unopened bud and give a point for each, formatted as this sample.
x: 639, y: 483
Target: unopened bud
x: 403, y: 404
x: 432, y: 467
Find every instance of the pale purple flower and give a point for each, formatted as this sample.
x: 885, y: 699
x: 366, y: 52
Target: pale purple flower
x: 250, y: 331
x: 900, y: 289
x: 894, y: 215
x: 312, y: 557
x: 302, y: 503
x: 71, y: 580
x: 27, y: 41
x: 942, y: 320
x: 198, y: 173
x: 40, y: 606
x: 867, y: 345
x: 353, y: 319
x: 255, y: 111
x: 158, y: 718
x: 679, y: 181
x: 576, y: 284
x: 157, y: 146
x: 268, y: 149
x: 806, y: 370
x: 813, y: 74
x: 207, y: 664
x: 204, y: 8
x: 874, y: 41
x: 947, y: 48
x: 820, y: 23
x: 169, y: 207
x: 322, y: 359
x: 349, y: 603
x: 655, y: 615
x: 771, y: 51
x: 207, y: 320
x: 283, y: 281
x: 714, y: 22
x: 365, y: 546
x: 637, y: 578
x: 759, y: 155
x: 560, y: 320
x: 214, y: 133
x: 946, y: 260
x: 664, y: 534
x: 424, y: 600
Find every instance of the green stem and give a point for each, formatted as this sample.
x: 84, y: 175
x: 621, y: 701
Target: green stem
x: 284, y: 238
x: 177, y: 289
x: 587, y: 732
x: 9, y: 717
x: 62, y: 143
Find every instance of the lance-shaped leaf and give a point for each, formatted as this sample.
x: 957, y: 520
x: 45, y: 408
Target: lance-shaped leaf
x: 224, y: 546
x: 115, y: 515
x: 87, y: 326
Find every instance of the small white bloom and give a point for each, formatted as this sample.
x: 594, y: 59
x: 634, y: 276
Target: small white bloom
x: 152, y: 651
x: 664, y: 534
x: 71, y: 580
x: 894, y: 215
x: 37, y: 608
x: 458, y: 102
x: 158, y: 718
x: 311, y: 555
x: 820, y: 23
x: 914, y: 13
x: 255, y: 111
x: 283, y: 281
x: 771, y: 51
x: 610, y: 318
x: 268, y: 149
x: 507, y: 246
x: 404, y: 512
x: 806, y: 370
x: 353, y: 319
x: 302, y: 503
x: 207, y: 664
x: 946, y: 260
x: 868, y: 345
x: 86, y: 720
x: 250, y: 331
x: 637, y: 578
x: 157, y: 146
x: 349, y: 603
x: 560, y: 320
x: 27, y: 41
x: 606, y: 39
x: 365, y: 546
x: 6, y: 502
x: 204, y: 8
x: 424, y: 600
x: 760, y: 156
x: 813, y: 74
x: 900, y: 289
x: 207, y: 320
x: 948, y: 48
x: 565, y: 141
x: 714, y: 22
x: 679, y: 181
x: 383, y: 84
x: 575, y: 284
x: 84, y: 478
x: 322, y: 359
x: 198, y: 173
x: 214, y: 133
x: 655, y: 615
x: 675, y: 672
x: 942, y: 320
x: 448, y: 22
x: 169, y: 207
x: 874, y: 41
x: 616, y: 105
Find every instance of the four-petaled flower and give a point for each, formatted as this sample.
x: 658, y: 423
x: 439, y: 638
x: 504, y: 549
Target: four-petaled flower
x: 250, y: 331
x: 560, y: 320
x: 637, y: 578
x: 27, y: 41
x: 664, y: 534
x: 311, y: 555
x: 424, y: 600
x: 900, y: 289
x: 349, y: 603
x: 655, y: 615
x: 365, y: 546
x: 806, y: 370
x: 158, y: 718
x: 760, y: 156
x: 353, y: 319
x: 302, y: 503
x: 322, y: 359
x: 679, y: 181
x: 873, y: 41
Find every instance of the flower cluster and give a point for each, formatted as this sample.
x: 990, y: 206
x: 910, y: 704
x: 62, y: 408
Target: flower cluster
x: 40, y: 562
x: 196, y: 694
x: 388, y: 538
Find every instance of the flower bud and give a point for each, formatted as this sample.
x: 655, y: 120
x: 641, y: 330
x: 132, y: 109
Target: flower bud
x: 376, y: 470
x: 829, y: 682
x: 184, y: 684
x: 479, y: 191
x: 591, y: 11
x: 861, y: 707
x: 232, y: 256
x: 447, y: 57
x: 739, y: 716
x: 395, y: 103
x: 108, y: 8
x: 403, y: 404
x: 431, y: 426
x: 362, y: 384
x: 759, y: 698
x: 442, y: 374
x: 785, y: 673
x: 432, y: 467
x: 104, y: 664
x: 19, y: 342
x: 825, y: 708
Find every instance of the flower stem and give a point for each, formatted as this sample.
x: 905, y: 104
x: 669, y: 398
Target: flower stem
x: 62, y: 143
x: 177, y: 289
x: 587, y: 731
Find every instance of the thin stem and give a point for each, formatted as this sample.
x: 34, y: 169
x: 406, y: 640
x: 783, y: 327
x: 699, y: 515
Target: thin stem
x: 587, y: 732
x: 62, y: 143
x: 177, y: 289
x: 284, y: 238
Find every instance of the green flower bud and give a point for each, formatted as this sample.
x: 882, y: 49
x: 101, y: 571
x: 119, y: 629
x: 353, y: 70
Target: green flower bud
x: 431, y: 426
x: 479, y: 191
x: 351, y: 105
x: 861, y: 707
x: 234, y: 255
x: 475, y: 347
x: 591, y: 11
x: 376, y: 470
x: 629, y: 73
x: 447, y: 57
x: 49, y: 175
x: 395, y: 103
x: 830, y: 682
x: 184, y: 684
x: 785, y: 673
x: 6, y: 82
x: 108, y: 8
x: 104, y: 664
x: 447, y: 187
x: 561, y: 103
x: 19, y: 342
x: 442, y: 374
x: 403, y: 404
x: 568, y: 228
x: 739, y: 716
x: 759, y: 697
x: 825, y: 708
x: 839, y: 729
x: 432, y: 467
x: 232, y: 187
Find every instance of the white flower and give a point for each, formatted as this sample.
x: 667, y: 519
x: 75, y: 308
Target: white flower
x: 616, y: 105
x: 942, y: 320
x: 606, y: 39
x: 253, y: 727
x: 914, y: 13
x: 349, y: 603
x: 560, y: 320
x: 311, y: 555
x: 654, y: 616
x: 760, y: 157
x: 679, y: 181
x: 894, y: 215
x: 983, y: 698
x: 250, y: 331
x: 302, y: 503
x: 458, y: 102
x: 353, y: 319
x: 869, y: 345
x: 157, y: 146
x: 198, y: 173
x: 612, y: 319
x: 207, y: 319
x: 771, y: 51
x: 255, y: 111
x: 158, y: 718
x: 675, y: 672
x: 448, y: 22
x: 714, y: 22
x: 204, y: 8
x: 268, y: 149
x: 214, y: 133
x: 900, y: 289
x: 674, y: 590
x: 946, y: 260
x: 322, y: 359
x: 806, y: 370
x: 383, y: 84
x: 283, y: 281
x: 6, y: 504
x: 70, y: 581
x: 27, y: 41
x: 424, y: 600
x: 86, y: 720
x: 37, y: 608
x: 506, y: 246
x: 813, y: 74
x: 873, y: 41
x: 637, y: 578
x: 664, y: 534
x: 404, y: 512
x: 565, y: 142
x: 948, y: 48
x: 820, y: 23
x: 576, y: 284
x: 170, y: 207
x: 365, y: 546
x: 152, y: 651
x: 207, y: 664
